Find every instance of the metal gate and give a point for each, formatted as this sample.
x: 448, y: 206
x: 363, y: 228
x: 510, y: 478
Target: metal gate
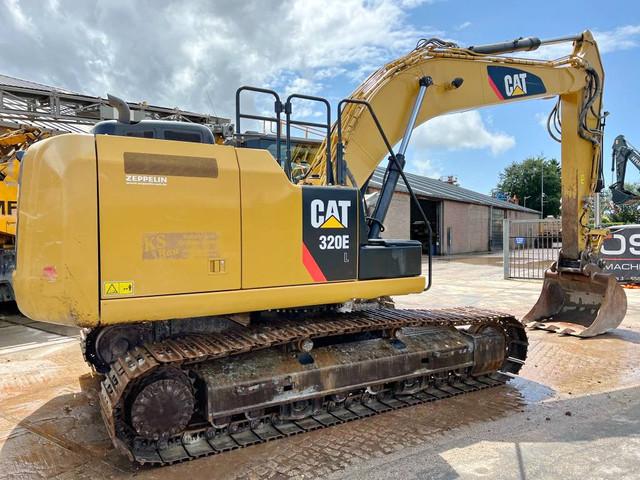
x: 530, y: 247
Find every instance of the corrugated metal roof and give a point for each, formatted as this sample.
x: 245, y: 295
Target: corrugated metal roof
x: 17, y: 120
x: 433, y: 188
x: 20, y: 83
x: 27, y: 103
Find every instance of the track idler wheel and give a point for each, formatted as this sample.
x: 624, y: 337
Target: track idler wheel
x: 104, y: 344
x: 163, y: 406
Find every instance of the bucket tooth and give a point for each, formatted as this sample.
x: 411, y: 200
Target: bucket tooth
x: 578, y: 305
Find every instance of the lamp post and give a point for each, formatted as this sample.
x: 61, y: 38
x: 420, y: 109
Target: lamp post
x: 542, y: 190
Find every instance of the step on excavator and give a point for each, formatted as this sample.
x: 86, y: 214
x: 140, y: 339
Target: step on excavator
x: 247, y: 299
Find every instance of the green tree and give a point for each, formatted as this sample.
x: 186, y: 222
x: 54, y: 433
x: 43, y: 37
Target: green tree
x: 522, y: 179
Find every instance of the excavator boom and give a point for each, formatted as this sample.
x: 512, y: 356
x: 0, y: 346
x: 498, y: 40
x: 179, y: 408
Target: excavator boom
x: 584, y: 302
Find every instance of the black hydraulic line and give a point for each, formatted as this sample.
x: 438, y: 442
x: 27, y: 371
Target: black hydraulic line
x: 435, y: 42
x: 392, y: 157
x: 554, y: 118
x: 595, y: 91
x: 596, y: 135
x: 278, y: 109
x: 327, y: 126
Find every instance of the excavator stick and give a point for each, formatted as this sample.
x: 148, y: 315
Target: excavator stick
x: 578, y: 304
x: 623, y: 153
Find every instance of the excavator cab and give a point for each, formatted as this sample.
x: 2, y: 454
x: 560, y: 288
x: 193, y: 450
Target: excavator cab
x: 377, y: 258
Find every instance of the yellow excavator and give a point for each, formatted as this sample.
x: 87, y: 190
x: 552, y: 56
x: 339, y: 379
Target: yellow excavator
x: 247, y: 299
x: 13, y: 142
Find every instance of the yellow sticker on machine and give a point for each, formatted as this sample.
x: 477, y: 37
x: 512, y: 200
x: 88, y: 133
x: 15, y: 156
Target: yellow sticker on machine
x: 118, y: 288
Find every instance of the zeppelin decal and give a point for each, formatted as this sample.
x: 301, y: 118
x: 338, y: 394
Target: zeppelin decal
x: 146, y: 180
x: 507, y: 83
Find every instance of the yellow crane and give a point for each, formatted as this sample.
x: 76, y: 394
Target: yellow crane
x: 246, y: 304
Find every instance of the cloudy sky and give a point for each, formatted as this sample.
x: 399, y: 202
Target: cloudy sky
x: 194, y: 54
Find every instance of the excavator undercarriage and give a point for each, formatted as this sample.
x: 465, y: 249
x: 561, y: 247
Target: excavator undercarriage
x: 293, y: 373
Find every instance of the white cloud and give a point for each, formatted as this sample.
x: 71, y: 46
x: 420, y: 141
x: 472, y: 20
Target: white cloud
x: 620, y: 38
x: 300, y: 84
x: 425, y: 167
x: 196, y: 53
x: 541, y: 119
x: 415, y: 3
x: 460, y: 131
x: 547, y: 52
x: 20, y: 19
x: 463, y: 25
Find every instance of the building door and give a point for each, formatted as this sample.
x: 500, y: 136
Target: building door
x: 497, y: 216
x: 432, y: 209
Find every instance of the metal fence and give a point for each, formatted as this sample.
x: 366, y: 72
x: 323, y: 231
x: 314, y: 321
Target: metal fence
x: 530, y: 247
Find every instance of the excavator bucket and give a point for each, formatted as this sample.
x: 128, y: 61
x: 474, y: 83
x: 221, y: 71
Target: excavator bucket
x: 577, y: 304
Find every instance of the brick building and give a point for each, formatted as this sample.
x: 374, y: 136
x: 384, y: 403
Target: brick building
x: 463, y: 221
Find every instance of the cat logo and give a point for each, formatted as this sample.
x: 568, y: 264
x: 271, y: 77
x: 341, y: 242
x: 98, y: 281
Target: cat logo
x: 332, y: 214
x: 508, y: 82
x: 515, y: 84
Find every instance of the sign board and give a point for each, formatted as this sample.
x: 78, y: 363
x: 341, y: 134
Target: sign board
x: 501, y: 196
x: 621, y: 253
x: 520, y: 240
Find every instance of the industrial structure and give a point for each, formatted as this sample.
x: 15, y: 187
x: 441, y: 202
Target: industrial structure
x: 27, y: 103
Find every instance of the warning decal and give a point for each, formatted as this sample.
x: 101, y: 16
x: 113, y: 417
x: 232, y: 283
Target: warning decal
x: 118, y: 288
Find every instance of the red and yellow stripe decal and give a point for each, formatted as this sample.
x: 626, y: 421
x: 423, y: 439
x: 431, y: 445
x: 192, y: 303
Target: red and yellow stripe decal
x: 312, y: 266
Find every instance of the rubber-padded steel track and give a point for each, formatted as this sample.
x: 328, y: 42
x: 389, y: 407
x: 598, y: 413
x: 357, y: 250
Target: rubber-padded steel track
x: 201, y: 439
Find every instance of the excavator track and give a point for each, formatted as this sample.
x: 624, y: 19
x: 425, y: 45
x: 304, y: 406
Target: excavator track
x: 477, y: 349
